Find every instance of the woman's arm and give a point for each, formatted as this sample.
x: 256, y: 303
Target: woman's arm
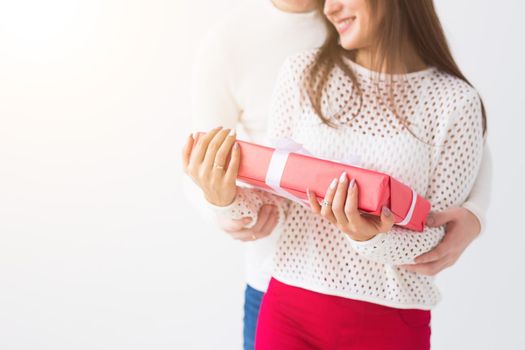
x: 212, y: 104
x: 457, y: 160
x: 248, y: 201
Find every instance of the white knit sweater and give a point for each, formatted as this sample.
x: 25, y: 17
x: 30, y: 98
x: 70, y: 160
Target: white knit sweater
x: 232, y: 86
x: 440, y: 162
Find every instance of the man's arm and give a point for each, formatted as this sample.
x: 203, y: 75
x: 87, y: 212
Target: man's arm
x: 479, y: 198
x: 463, y: 224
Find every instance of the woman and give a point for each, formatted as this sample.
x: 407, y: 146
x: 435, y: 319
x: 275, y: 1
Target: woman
x: 384, y: 86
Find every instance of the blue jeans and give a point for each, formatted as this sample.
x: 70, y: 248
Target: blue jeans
x: 252, y: 303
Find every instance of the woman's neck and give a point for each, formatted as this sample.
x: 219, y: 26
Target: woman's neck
x: 295, y: 5
x: 411, y: 62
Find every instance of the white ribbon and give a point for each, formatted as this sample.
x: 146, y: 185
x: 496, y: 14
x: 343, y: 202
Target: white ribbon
x: 408, y: 217
x: 275, y: 173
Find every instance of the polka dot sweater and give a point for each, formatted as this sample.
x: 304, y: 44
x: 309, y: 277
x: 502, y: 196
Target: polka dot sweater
x: 437, y: 151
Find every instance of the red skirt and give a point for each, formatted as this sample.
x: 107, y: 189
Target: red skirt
x: 293, y: 318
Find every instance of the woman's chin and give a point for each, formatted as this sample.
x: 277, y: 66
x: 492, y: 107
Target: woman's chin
x: 348, y: 44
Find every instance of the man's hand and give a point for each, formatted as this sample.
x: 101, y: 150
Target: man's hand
x: 267, y: 219
x: 462, y: 227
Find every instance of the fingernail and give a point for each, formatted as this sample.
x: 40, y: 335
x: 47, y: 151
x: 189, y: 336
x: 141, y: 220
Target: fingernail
x: 430, y: 220
x: 386, y: 211
x: 232, y: 132
x: 342, y: 178
x: 235, y: 146
x: 352, y: 183
x: 333, y: 183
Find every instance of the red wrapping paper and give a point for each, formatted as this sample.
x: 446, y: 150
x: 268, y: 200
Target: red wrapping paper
x: 303, y: 171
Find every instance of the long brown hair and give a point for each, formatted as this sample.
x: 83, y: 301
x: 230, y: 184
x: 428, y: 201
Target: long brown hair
x: 400, y: 20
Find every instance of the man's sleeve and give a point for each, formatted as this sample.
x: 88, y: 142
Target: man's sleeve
x: 212, y: 95
x: 479, y: 198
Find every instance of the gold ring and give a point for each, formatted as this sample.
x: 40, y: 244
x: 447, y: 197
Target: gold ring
x: 218, y: 166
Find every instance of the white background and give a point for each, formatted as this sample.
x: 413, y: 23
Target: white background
x: 98, y: 248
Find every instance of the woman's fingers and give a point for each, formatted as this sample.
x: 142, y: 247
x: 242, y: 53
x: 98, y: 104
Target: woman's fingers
x: 197, y: 156
x: 326, y: 209
x: 340, y: 199
x: 186, y: 153
x: 355, y: 224
x: 314, y: 204
x: 351, y: 204
x: 224, y: 150
x: 233, y: 166
x: 387, y: 220
x: 340, y: 206
x: 209, y: 158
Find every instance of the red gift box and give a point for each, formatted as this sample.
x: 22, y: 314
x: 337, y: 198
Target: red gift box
x: 300, y: 171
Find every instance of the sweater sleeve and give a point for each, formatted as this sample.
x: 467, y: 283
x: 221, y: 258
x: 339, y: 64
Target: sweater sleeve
x: 456, y: 161
x: 479, y: 198
x: 283, y: 108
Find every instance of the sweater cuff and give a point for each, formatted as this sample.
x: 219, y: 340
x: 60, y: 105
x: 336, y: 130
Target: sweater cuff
x: 365, y: 245
x: 478, y: 213
x: 237, y: 209
x: 224, y: 209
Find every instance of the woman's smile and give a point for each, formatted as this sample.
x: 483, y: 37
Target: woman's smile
x: 343, y: 25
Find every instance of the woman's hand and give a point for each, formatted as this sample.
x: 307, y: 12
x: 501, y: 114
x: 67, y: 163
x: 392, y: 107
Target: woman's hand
x: 205, y: 162
x: 340, y: 208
